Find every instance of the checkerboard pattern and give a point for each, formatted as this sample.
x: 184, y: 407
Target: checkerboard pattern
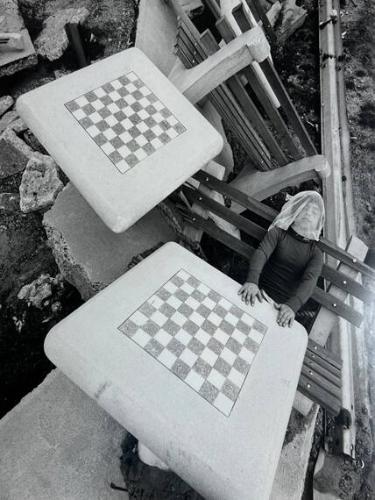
x: 126, y: 120
x: 201, y: 337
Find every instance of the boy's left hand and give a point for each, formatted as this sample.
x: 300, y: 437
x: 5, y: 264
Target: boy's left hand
x: 285, y: 316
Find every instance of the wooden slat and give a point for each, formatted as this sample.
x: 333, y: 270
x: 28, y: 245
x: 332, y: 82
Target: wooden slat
x: 322, y: 362
x: 317, y: 394
x: 214, y: 231
x: 334, y: 379
x: 248, y: 106
x: 329, y: 356
x: 228, y: 34
x: 322, y: 382
x: 352, y: 286
x: 337, y: 306
x: 329, y: 301
x: 240, y: 222
x: 269, y: 214
x: 257, y: 9
x: 288, y: 106
x: 214, y: 7
x: 243, y: 199
x: 226, y: 104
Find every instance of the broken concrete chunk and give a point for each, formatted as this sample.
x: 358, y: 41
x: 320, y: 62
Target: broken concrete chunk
x: 293, y: 18
x: 274, y: 13
x: 9, y: 203
x: 53, y: 40
x: 11, y: 23
x: 40, y: 184
x: 39, y: 291
x: 7, y: 119
x: 6, y: 102
x: 89, y: 255
x: 14, y: 154
x: 33, y: 142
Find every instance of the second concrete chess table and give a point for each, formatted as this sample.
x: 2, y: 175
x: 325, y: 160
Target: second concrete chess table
x: 123, y: 134
x: 204, y: 381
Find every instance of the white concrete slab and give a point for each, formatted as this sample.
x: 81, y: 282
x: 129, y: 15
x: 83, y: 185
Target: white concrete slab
x: 123, y: 134
x: 89, y: 255
x: 58, y: 444
x: 204, y: 381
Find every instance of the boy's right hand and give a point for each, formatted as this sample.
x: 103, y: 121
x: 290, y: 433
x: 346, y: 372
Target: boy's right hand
x: 249, y: 292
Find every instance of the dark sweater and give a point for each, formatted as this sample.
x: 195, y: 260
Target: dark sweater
x: 286, y: 266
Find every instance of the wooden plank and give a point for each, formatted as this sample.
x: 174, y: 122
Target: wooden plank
x: 228, y: 110
x: 337, y: 306
x: 329, y: 356
x: 228, y: 34
x: 319, y: 368
x: 240, y: 222
x: 326, y: 319
x: 214, y: 7
x: 248, y: 202
x: 328, y: 301
x: 215, y: 232
x: 352, y: 286
x: 257, y: 8
x: 288, y: 106
x: 317, y: 394
x: 322, y: 362
x: 247, y: 107
x: 322, y: 382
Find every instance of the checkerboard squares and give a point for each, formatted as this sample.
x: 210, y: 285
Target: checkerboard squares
x: 126, y: 120
x: 201, y: 337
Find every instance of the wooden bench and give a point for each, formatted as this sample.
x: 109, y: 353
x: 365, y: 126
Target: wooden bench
x: 320, y: 378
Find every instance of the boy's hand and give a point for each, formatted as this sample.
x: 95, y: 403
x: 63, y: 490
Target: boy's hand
x: 249, y: 292
x: 285, y: 316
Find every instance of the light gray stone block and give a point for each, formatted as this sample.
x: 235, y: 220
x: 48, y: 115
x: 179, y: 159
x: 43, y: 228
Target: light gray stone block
x: 58, y: 444
x: 89, y: 255
x: 204, y: 381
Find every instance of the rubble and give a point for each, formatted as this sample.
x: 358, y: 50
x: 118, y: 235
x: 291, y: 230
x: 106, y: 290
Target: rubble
x: 39, y: 291
x: 293, y: 18
x: 53, y: 40
x: 7, y: 119
x: 89, y: 255
x: 6, y: 102
x: 14, y: 154
x: 11, y: 22
x: 33, y: 142
x: 40, y: 184
x: 9, y: 203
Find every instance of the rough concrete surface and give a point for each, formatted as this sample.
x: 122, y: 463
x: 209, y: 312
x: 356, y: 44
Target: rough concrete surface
x: 58, y: 444
x: 290, y: 476
x: 14, y: 154
x: 6, y: 102
x: 53, y: 40
x: 40, y: 184
x: 89, y: 255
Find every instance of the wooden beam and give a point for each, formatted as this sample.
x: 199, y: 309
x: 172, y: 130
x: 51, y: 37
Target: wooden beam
x: 326, y: 319
x: 198, y: 81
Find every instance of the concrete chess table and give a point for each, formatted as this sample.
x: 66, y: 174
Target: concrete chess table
x: 123, y: 134
x: 204, y: 381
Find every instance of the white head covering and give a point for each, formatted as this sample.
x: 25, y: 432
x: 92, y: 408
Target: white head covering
x: 294, y: 206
